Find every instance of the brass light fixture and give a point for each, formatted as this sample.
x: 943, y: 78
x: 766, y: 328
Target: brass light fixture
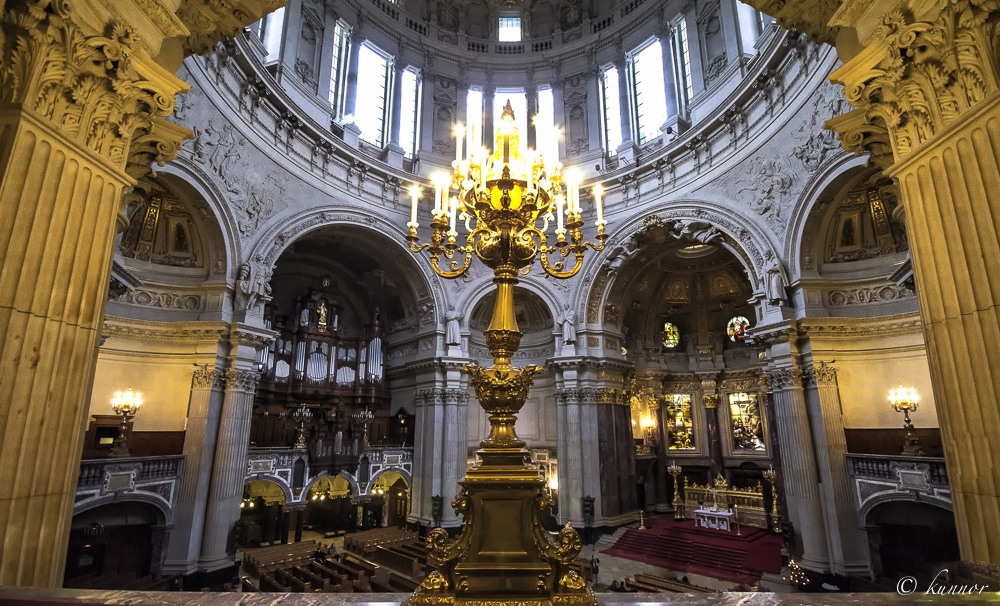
x: 906, y: 400
x: 772, y: 478
x: 302, y: 414
x: 675, y: 470
x: 504, y: 553
x: 126, y: 404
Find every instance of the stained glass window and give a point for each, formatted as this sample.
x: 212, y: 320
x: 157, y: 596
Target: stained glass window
x: 737, y: 329
x: 671, y: 335
x: 680, y: 427
x: 747, y: 425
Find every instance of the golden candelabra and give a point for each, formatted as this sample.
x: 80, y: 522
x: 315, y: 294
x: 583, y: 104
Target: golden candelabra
x: 675, y: 471
x: 906, y: 400
x: 125, y: 404
x: 503, y: 552
x: 771, y: 476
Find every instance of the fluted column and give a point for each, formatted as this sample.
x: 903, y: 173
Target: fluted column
x: 570, y: 469
x: 846, y: 540
x: 230, y: 469
x: 454, y: 447
x: 80, y: 116
x: 928, y: 99
x: 200, y: 436
x: 798, y: 468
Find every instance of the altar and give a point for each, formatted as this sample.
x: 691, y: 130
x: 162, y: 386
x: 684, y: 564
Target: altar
x: 717, y: 520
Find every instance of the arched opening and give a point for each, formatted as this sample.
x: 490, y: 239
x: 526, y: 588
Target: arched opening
x: 911, y: 538
x: 392, y: 491
x: 115, y: 545
x: 330, y: 506
x: 341, y: 299
x: 262, y: 512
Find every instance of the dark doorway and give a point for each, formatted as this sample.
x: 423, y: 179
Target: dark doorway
x: 912, y: 539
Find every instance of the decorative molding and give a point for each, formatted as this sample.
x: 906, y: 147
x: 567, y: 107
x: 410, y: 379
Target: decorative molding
x: 860, y: 328
x: 922, y: 78
x: 242, y: 380
x: 820, y: 375
x: 207, y: 377
x: 868, y: 295
x: 162, y: 300
x: 129, y: 328
x: 785, y: 378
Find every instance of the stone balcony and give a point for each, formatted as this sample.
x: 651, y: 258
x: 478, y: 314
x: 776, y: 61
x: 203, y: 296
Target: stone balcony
x: 151, y: 479
x: 877, y: 479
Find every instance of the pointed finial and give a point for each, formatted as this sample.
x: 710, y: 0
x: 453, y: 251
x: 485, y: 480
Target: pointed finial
x: 507, y: 111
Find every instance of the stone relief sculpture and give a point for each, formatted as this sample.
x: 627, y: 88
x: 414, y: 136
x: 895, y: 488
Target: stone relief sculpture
x: 702, y: 232
x: 253, y: 287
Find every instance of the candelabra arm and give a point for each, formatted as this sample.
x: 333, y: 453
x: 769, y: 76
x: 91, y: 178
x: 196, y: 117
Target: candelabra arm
x: 454, y: 270
x: 556, y: 269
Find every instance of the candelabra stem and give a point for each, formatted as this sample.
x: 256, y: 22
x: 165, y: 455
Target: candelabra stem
x: 911, y: 443
x: 120, y: 446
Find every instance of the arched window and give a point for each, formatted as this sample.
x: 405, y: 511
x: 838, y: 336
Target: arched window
x: 671, y: 335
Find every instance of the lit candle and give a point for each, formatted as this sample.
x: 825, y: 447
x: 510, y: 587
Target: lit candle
x: 414, y: 197
x: 598, y: 191
x: 454, y: 216
x: 437, y: 196
x: 459, y: 134
x: 559, y: 211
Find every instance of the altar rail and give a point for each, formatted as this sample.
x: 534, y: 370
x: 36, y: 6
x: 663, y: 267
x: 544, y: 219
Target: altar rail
x: 748, y: 503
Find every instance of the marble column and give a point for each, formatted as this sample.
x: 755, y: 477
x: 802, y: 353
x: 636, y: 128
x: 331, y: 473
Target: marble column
x: 939, y: 137
x: 204, y: 410
x: 846, y: 541
x: 81, y: 119
x: 570, y: 469
x: 798, y: 469
x: 230, y: 469
x: 531, y: 97
x: 488, y: 127
x: 453, y: 462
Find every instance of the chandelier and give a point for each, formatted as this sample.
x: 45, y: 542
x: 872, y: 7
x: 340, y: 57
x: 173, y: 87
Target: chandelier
x: 126, y: 404
x: 506, y: 203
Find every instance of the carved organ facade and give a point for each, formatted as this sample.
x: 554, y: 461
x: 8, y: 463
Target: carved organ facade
x: 323, y: 383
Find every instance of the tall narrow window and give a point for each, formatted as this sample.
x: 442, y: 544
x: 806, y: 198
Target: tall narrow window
x: 611, y: 108
x: 650, y: 95
x: 270, y: 33
x: 474, y: 117
x: 546, y: 137
x: 409, y: 107
x: 510, y: 29
x: 373, y: 87
x: 338, y: 66
x: 519, y: 102
x: 682, y: 62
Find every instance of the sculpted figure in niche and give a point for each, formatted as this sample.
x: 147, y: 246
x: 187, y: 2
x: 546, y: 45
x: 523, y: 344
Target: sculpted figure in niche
x: 569, y: 325
x: 453, y: 333
x: 252, y: 290
x: 775, y: 283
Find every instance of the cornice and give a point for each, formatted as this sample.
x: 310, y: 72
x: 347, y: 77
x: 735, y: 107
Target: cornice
x: 130, y: 328
x: 855, y: 328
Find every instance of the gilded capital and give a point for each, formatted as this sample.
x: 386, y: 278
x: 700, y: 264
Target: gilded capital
x: 915, y: 78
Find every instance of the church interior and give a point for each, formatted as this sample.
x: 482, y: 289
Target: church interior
x: 272, y: 319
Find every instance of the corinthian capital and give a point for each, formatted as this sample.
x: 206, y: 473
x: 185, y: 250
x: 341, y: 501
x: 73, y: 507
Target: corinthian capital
x: 207, y: 377
x: 821, y: 375
x: 917, y: 77
x: 242, y: 380
x: 101, y: 93
x: 785, y: 378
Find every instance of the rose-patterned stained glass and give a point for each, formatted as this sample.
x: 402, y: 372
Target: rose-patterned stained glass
x: 671, y: 335
x: 737, y: 329
x: 746, y: 423
x: 679, y: 423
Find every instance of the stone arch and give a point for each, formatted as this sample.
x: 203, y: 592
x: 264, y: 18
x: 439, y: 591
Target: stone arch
x: 355, y: 490
x: 802, y: 221
x: 399, y: 470
x: 218, y: 202
x: 531, y: 283
x: 163, y: 510
x: 869, y: 506
x: 266, y: 252
x: 746, y: 241
x: 263, y: 477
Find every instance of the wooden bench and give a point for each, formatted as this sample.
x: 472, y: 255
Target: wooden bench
x: 660, y: 584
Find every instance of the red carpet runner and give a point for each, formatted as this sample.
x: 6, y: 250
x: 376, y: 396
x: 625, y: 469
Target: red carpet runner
x: 682, y: 547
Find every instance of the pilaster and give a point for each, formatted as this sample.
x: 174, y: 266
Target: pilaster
x: 204, y: 411
x: 846, y: 541
x: 798, y: 468
x: 926, y: 83
x: 230, y: 469
x: 81, y: 115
